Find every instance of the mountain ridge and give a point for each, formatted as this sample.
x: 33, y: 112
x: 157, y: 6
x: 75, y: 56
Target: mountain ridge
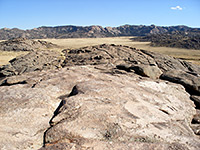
x: 93, y: 31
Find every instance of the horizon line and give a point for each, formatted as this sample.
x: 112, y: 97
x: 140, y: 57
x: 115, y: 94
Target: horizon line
x: 62, y: 25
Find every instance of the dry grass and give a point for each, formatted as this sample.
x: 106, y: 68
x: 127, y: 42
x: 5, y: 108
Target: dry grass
x: 5, y: 56
x: 82, y: 42
x: 185, y: 54
x: 188, y: 55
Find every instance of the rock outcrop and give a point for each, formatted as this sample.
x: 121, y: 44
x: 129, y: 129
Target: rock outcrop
x: 99, y: 97
x: 88, y: 108
x: 147, y: 71
x: 120, y: 57
x: 23, y: 44
x: 35, y: 60
x: 190, y: 81
x: 187, y: 40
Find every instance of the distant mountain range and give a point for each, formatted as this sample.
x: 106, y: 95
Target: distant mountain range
x: 92, y: 31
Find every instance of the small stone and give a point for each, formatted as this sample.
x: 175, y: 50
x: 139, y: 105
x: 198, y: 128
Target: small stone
x: 16, y: 80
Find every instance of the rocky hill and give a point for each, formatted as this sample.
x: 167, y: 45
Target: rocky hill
x: 90, y: 31
x: 103, y: 97
x: 23, y: 44
x: 186, y: 40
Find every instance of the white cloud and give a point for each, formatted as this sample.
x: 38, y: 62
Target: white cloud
x: 177, y: 8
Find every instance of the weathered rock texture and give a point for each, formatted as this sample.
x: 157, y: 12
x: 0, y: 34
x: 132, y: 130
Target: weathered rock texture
x: 125, y: 58
x: 119, y: 54
x: 95, y: 99
x: 113, y: 55
x: 97, y: 110
x: 35, y: 60
x: 23, y: 44
x: 142, y: 62
x: 190, y: 81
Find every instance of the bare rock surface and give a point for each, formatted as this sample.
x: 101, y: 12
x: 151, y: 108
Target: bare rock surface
x: 190, y: 81
x: 143, y: 62
x: 94, y: 98
x: 147, y: 71
x: 106, y: 54
x: 23, y: 44
x: 80, y: 107
x: 120, y: 54
x: 35, y: 60
x: 112, y: 55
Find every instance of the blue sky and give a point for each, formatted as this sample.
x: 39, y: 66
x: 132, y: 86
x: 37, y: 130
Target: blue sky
x: 28, y: 14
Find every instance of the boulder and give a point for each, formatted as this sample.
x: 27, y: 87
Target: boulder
x: 190, y: 81
x: 80, y: 107
x: 152, y: 72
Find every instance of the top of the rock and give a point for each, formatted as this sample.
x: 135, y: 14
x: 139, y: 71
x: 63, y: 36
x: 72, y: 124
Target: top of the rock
x: 94, y: 99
